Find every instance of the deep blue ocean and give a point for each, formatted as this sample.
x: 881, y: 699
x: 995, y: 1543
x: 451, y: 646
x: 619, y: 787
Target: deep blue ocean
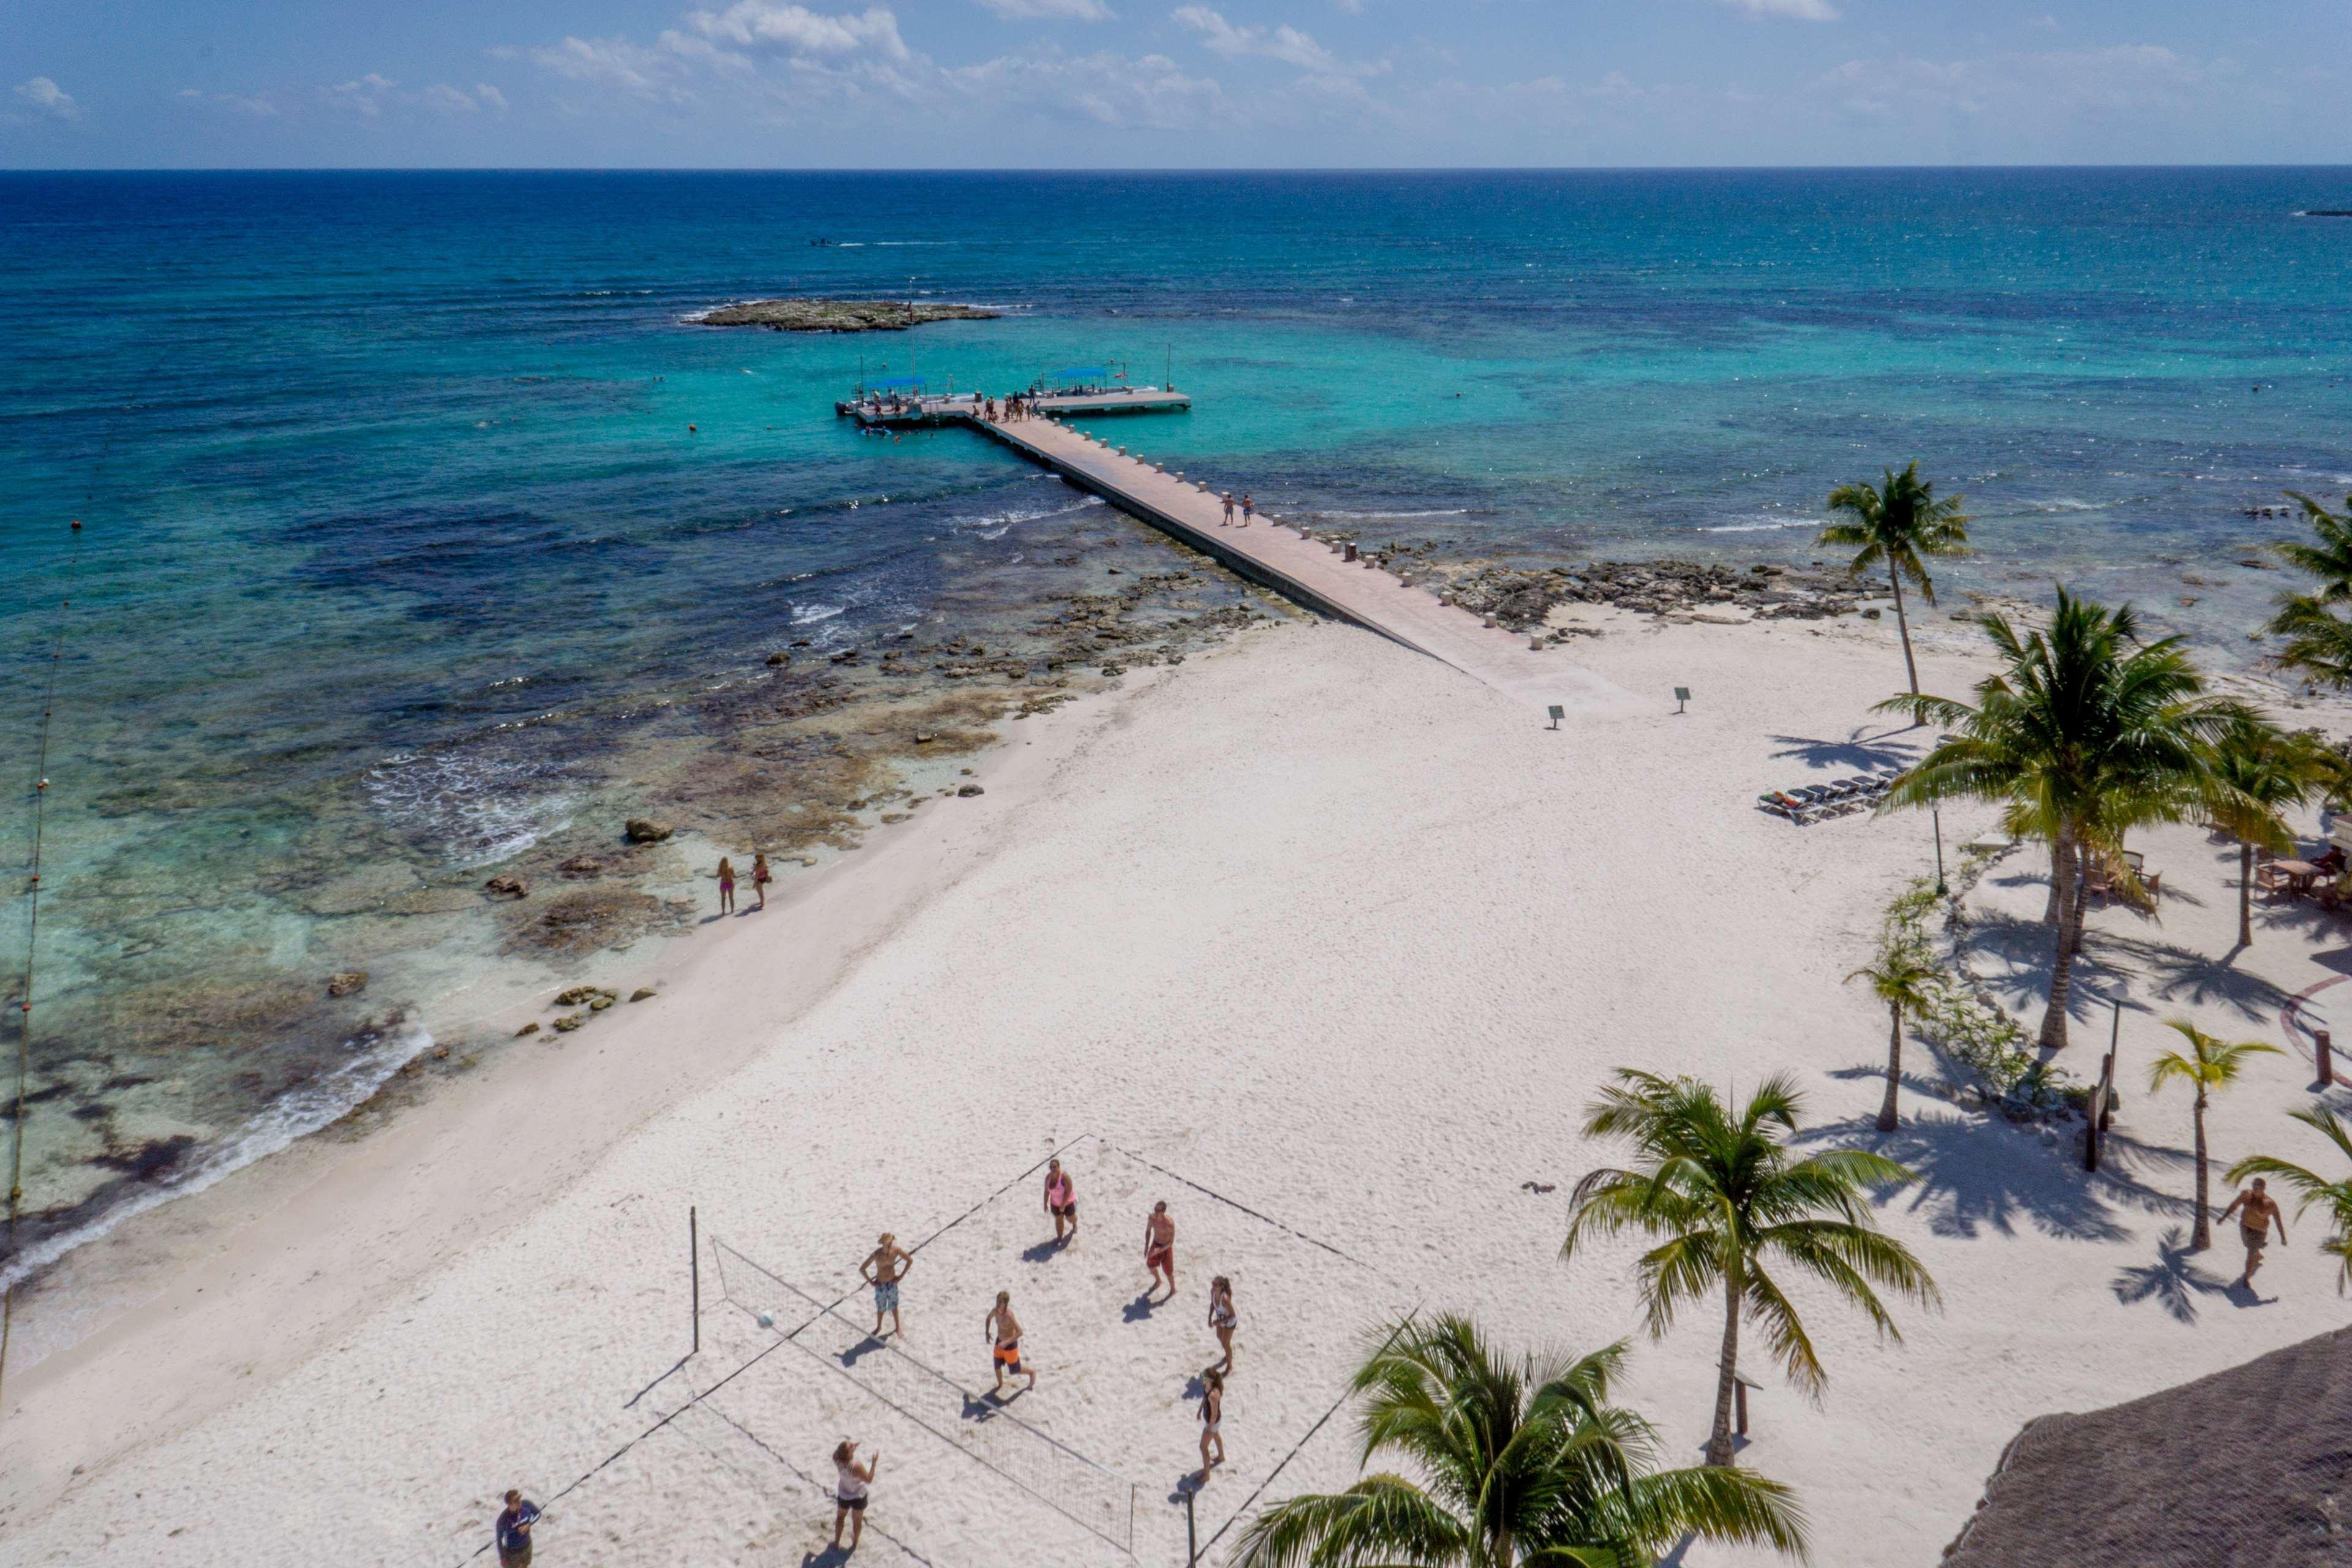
x: 418, y: 507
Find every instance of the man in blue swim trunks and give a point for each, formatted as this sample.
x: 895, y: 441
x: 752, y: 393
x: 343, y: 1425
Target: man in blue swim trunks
x: 883, y: 1268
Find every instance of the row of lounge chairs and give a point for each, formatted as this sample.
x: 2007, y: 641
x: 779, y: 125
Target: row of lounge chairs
x: 1811, y: 803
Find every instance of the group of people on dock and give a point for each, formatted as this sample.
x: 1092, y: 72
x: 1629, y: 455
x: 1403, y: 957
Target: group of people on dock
x: 1249, y: 509
x: 1016, y: 407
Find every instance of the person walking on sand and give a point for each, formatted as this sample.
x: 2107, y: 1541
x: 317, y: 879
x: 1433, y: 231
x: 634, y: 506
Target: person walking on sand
x: 514, y: 1531
x: 1222, y: 1318
x: 850, y: 1481
x: 726, y: 886
x: 2254, y: 1225
x: 1249, y: 509
x: 1160, y: 1248
x: 1212, y: 1416
x: 760, y: 877
x: 1229, y: 507
x: 883, y: 1268
x: 1061, y: 1202
x: 1003, y: 1333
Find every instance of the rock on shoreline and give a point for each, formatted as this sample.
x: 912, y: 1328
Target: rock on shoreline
x: 842, y: 315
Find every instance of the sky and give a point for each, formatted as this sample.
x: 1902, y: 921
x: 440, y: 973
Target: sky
x: 1150, y: 84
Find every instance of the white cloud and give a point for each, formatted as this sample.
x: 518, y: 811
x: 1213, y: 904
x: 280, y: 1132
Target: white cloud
x: 2022, y: 90
x: 1800, y: 10
x: 801, y: 31
x: 1050, y: 10
x: 1106, y: 89
x: 490, y: 96
x: 615, y: 63
x: 449, y: 100
x: 48, y: 97
x: 365, y: 96
x: 1284, y: 43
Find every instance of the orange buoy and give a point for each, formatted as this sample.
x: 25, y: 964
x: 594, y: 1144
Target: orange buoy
x: 690, y: 428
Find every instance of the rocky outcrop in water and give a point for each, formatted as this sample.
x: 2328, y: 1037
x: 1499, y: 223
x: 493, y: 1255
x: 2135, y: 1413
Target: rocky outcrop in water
x: 1520, y: 599
x: 842, y: 315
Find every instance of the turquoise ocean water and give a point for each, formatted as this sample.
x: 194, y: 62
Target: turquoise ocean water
x: 427, y: 534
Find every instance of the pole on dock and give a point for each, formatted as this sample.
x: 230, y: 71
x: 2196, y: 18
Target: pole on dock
x: 694, y: 1268
x: 2325, y: 1048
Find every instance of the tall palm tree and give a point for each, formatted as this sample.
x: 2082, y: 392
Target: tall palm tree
x: 2262, y: 773
x: 1726, y: 1197
x: 1901, y: 979
x: 2319, y: 640
x: 2309, y: 1187
x: 2084, y: 734
x: 1525, y: 1462
x: 2209, y: 1064
x: 1893, y: 524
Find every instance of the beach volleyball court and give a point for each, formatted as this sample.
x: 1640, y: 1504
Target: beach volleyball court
x: 1092, y: 1466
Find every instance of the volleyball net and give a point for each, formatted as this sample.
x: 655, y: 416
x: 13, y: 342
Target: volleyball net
x: 1086, y: 1493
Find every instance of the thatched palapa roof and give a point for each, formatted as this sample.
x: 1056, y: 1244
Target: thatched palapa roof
x: 2250, y: 1467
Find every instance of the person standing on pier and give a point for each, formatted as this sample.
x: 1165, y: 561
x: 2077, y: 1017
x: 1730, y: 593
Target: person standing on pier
x: 1249, y: 509
x: 1229, y: 507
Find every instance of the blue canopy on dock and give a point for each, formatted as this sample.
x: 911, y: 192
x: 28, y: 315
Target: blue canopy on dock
x: 899, y: 381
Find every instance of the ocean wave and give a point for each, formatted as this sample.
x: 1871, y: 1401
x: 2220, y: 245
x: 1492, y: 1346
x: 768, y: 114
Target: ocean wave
x: 993, y: 525
x: 1771, y: 527
x: 471, y: 809
x: 809, y: 614
x: 1435, y: 512
x: 293, y: 1115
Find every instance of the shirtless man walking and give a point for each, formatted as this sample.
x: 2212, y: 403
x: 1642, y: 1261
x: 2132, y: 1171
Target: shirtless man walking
x: 1160, y: 1248
x: 1061, y: 1201
x: 1004, y: 1331
x: 883, y: 1268
x: 2254, y: 1225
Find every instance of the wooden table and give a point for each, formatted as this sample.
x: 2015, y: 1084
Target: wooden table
x: 2299, y: 874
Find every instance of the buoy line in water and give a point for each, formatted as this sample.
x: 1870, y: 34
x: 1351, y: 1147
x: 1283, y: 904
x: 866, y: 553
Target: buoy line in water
x: 33, y: 895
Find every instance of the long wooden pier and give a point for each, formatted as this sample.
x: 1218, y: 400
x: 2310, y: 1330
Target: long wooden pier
x: 1312, y: 572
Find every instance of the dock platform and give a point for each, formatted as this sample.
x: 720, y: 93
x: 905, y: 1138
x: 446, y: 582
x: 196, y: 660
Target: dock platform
x: 1310, y: 572
x: 958, y: 407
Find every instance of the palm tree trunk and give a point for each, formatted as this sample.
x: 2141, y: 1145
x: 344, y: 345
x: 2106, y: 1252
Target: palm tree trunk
x: 1718, y: 1445
x: 2245, y: 894
x: 2081, y: 899
x: 2202, y: 1237
x: 2059, y: 850
x: 1903, y: 624
x: 1894, y: 1068
x: 2062, y: 962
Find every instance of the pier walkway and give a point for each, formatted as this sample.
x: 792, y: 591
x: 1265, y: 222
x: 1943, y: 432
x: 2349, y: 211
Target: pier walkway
x: 1312, y: 572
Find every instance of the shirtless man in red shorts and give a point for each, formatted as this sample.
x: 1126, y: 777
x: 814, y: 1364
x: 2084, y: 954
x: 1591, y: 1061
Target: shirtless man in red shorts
x: 1160, y: 1248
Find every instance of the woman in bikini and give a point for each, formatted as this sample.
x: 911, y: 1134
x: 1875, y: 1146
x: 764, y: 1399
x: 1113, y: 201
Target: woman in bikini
x: 1222, y: 1318
x: 1004, y: 1331
x: 1213, y: 1416
x: 1061, y: 1201
x: 726, y: 886
x: 760, y: 877
x: 851, y: 1479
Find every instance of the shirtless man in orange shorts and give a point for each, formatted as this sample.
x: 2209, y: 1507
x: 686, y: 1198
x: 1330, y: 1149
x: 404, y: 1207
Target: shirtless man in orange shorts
x: 1160, y: 1248
x: 1004, y: 1331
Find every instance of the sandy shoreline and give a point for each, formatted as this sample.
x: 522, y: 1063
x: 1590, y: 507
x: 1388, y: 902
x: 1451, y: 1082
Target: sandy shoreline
x: 1309, y: 922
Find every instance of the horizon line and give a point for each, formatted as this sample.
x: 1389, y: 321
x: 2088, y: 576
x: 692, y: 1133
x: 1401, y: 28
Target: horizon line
x: 1160, y: 169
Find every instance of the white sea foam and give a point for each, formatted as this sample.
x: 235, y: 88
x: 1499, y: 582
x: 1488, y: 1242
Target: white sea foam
x: 1774, y: 526
x: 809, y: 614
x: 1438, y: 512
x: 472, y: 809
x: 298, y: 1113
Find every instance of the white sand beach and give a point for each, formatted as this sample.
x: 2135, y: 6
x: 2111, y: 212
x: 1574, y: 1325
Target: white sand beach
x: 1311, y: 937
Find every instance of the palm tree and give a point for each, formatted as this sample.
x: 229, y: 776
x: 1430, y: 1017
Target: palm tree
x: 2319, y: 640
x: 2261, y: 771
x: 1893, y: 524
x: 1726, y: 1197
x: 2209, y: 1064
x: 1901, y: 979
x: 2309, y: 1187
x: 1525, y: 1462
x: 2084, y: 734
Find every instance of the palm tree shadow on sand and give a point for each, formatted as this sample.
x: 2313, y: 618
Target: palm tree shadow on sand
x: 1978, y: 1175
x: 1869, y: 746
x: 2173, y: 1281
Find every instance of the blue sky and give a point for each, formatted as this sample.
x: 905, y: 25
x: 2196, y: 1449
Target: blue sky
x: 1147, y: 83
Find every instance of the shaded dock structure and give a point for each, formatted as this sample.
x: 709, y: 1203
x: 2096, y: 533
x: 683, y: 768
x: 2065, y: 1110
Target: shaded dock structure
x: 1329, y: 578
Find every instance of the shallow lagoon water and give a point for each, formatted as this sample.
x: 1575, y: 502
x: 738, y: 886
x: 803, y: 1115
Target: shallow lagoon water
x: 427, y: 535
